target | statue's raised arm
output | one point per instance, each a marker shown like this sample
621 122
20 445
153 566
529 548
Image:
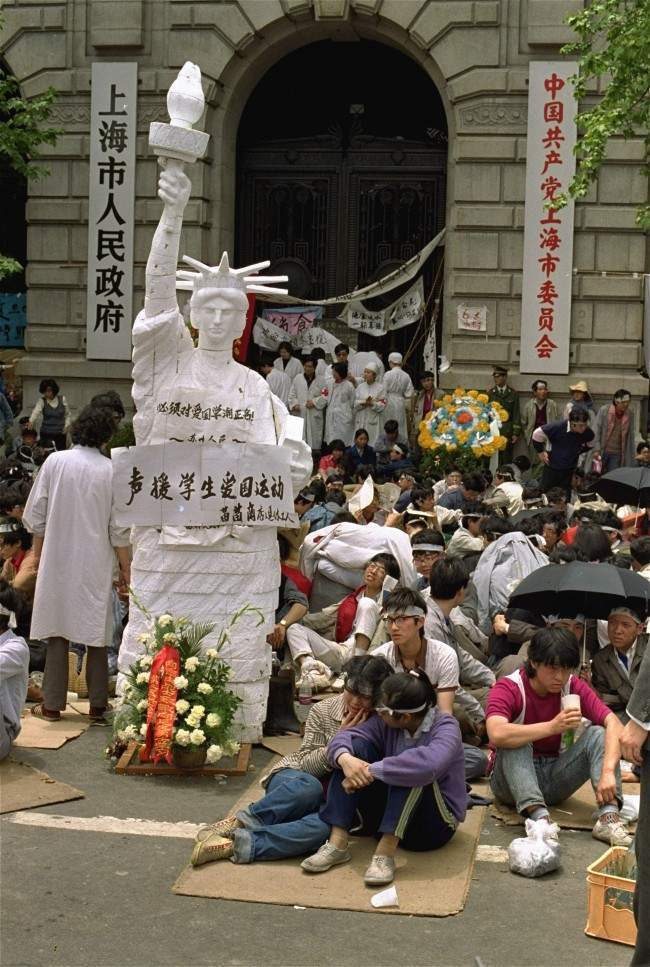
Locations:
176 144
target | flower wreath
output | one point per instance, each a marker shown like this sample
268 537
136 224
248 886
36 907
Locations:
465 418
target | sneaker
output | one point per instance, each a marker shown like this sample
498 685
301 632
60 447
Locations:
380 871
326 857
316 673
611 831
223 827
213 848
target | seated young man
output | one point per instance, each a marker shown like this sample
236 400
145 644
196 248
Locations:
615 668
466 541
428 547
285 822
525 723
409 649
356 618
401 772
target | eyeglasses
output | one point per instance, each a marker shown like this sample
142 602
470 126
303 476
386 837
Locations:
396 619
376 567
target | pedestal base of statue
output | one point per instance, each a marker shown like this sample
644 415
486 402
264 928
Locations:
129 765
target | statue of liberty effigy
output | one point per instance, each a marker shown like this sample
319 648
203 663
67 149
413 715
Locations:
203 396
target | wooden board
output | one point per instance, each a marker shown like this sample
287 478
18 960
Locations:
130 765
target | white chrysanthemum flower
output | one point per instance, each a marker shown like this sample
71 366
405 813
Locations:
165 620
197 737
192 722
211 653
182 737
143 729
182 706
204 688
127 692
130 732
180 681
145 661
142 705
213 720
231 747
144 638
215 752
142 678
191 664
198 711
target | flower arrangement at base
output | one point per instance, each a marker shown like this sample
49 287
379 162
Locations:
177 697
464 420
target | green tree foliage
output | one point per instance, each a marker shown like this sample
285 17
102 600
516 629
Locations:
613 46
22 132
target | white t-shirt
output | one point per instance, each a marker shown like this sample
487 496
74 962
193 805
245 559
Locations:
440 664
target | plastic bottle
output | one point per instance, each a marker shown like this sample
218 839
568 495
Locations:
304 692
569 737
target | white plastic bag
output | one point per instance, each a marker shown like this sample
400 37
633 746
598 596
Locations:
536 853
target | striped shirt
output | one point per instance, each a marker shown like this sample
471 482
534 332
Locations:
323 722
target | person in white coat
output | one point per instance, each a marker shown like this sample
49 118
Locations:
370 403
279 382
308 399
286 362
339 416
400 392
14 669
69 512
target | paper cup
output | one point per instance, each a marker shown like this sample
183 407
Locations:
387 898
571 701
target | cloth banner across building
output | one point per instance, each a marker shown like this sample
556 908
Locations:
403 312
185 485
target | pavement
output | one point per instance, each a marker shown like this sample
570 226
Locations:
77 897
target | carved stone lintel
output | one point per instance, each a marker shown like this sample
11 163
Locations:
494 114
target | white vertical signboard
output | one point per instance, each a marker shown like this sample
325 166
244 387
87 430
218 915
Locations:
110 210
548 232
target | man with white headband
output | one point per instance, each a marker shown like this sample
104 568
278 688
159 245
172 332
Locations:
616 432
400 392
428 547
466 541
615 668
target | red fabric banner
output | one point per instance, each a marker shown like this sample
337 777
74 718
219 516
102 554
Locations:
161 708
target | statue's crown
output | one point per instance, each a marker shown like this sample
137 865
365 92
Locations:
223 277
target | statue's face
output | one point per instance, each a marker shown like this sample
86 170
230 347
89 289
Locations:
220 317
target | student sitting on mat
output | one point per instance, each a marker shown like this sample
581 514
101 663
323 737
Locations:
402 771
285 822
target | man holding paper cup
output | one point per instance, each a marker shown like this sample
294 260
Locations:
534 717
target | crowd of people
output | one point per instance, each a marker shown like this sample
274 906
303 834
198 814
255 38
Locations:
394 599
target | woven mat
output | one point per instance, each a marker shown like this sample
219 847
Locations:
573 813
22 787
432 884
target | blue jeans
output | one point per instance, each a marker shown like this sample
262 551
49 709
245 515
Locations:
418 815
521 779
611 461
285 822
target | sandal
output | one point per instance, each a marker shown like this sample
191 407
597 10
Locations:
45 713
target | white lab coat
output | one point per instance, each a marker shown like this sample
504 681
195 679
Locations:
71 505
339 416
370 418
399 388
314 417
207 573
280 385
292 369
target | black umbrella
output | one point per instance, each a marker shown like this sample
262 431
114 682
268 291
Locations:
629 485
582 587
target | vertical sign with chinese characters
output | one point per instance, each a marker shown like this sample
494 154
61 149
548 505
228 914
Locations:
110 210
548 232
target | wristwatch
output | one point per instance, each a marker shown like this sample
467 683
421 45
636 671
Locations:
283 622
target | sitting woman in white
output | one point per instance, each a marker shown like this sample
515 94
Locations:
14 669
356 618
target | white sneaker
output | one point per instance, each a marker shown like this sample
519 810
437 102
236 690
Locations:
326 857
316 673
611 831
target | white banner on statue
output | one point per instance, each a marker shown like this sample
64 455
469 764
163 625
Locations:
472 318
181 484
111 198
408 309
372 322
548 232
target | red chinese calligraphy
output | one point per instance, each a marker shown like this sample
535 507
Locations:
547 293
550 187
554 111
546 319
548 264
549 239
545 347
553 84
551 158
554 137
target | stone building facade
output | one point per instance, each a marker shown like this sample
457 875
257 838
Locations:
476 52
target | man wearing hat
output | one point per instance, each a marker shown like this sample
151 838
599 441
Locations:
369 402
616 432
615 668
399 393
537 411
507 398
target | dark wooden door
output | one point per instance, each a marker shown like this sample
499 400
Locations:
335 215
